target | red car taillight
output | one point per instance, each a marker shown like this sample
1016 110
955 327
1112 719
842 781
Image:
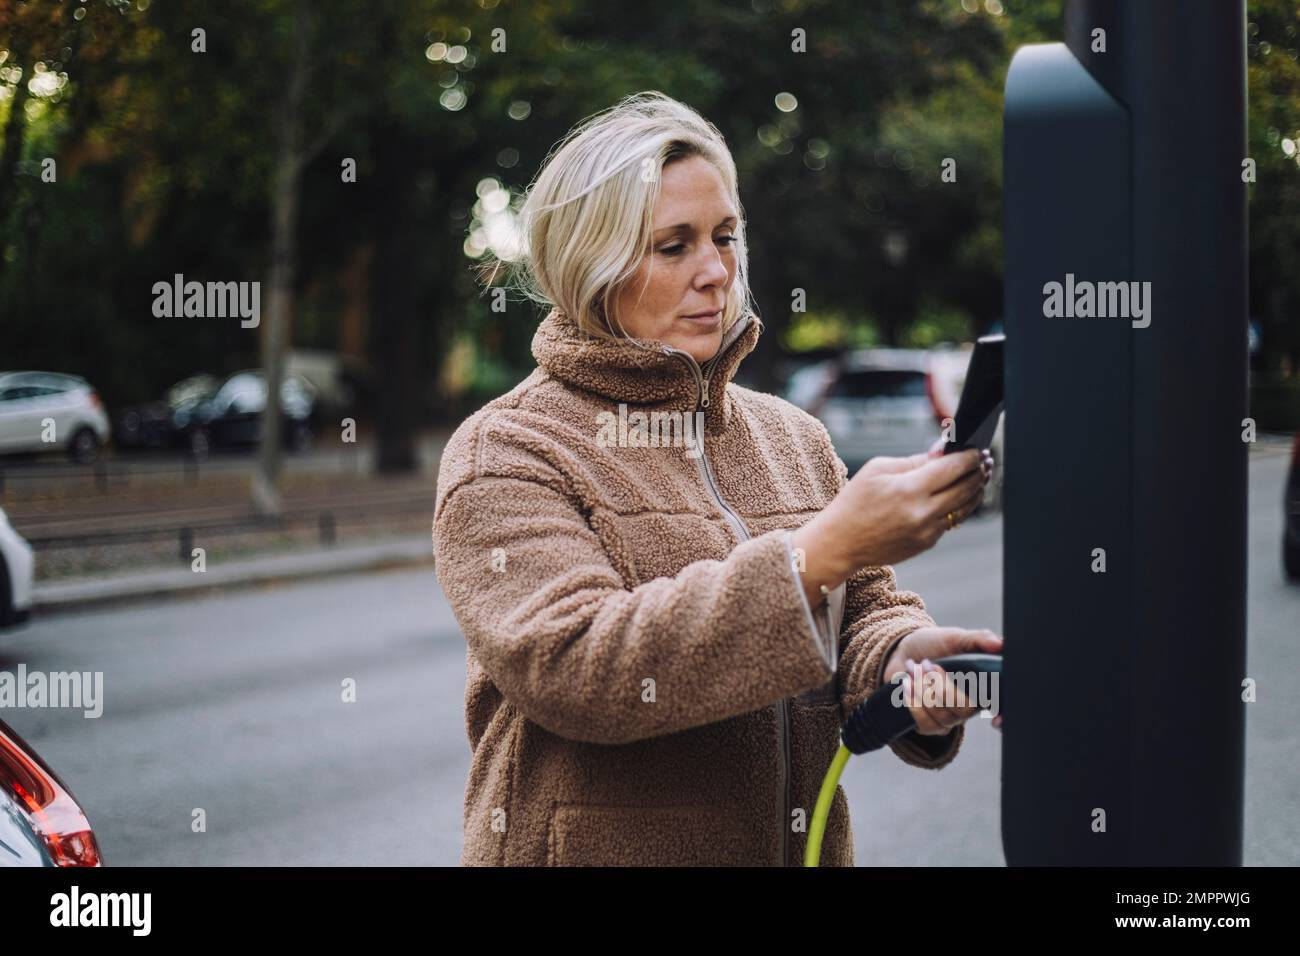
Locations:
55 815
95 402
1295 450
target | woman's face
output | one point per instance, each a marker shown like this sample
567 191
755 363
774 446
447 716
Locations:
678 293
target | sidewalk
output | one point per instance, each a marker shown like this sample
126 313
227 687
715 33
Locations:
77 593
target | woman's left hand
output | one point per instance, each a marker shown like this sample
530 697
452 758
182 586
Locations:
919 649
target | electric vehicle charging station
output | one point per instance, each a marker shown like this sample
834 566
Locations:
1124 585
1125 498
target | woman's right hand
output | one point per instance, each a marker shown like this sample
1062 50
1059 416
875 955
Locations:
896 510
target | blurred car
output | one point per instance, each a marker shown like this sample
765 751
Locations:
1291 532
232 417
41 823
28 399
872 402
336 379
890 402
153 424
16 571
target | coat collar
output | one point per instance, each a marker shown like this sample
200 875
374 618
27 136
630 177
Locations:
651 375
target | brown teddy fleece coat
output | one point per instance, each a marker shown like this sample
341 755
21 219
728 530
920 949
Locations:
646 682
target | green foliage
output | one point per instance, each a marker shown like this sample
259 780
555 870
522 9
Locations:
166 164
811 331
938 323
1273 141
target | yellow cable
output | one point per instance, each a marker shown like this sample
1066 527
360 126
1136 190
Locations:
813 852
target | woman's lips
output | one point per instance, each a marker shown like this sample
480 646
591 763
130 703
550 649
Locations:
710 317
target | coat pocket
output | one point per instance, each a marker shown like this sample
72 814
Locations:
586 835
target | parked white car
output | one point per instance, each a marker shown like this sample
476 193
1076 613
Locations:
16 569
888 402
41 411
872 402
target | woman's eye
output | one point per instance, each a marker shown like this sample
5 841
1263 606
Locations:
679 248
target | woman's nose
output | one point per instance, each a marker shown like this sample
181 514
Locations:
714 270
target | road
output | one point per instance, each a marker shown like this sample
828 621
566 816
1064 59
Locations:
232 703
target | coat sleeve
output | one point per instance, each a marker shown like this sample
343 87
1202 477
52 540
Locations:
876 617
586 656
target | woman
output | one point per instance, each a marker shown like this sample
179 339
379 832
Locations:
671 594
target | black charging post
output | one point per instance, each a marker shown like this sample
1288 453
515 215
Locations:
1125 482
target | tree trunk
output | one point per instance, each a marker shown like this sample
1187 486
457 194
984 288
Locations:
395 342
12 150
284 221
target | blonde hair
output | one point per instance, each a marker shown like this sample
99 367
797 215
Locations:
587 217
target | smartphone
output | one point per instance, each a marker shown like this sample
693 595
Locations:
981 397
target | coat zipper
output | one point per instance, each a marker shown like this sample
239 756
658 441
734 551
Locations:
706 470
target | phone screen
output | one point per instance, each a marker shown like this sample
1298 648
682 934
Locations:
981 397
